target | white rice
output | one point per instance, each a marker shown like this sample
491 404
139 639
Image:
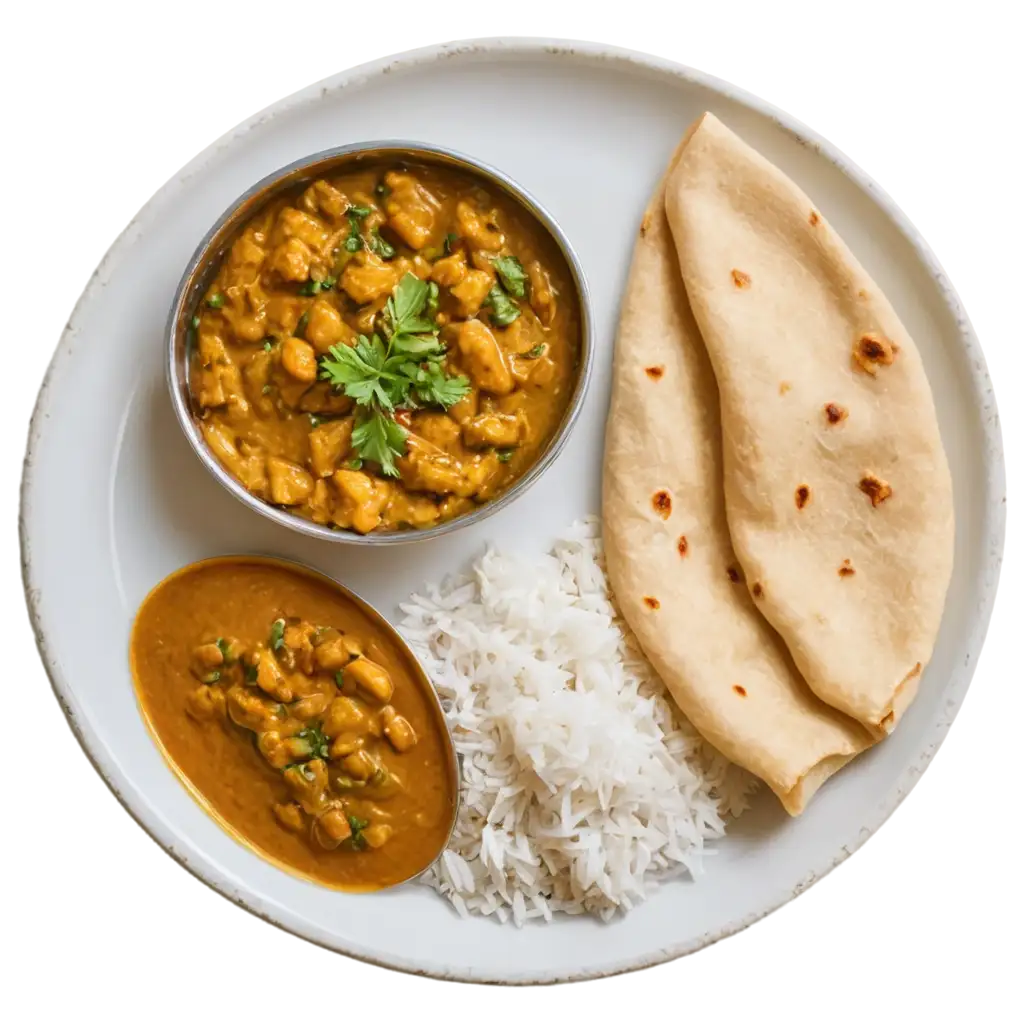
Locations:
581 784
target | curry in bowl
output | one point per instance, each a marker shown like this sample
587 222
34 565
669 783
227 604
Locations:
385 349
298 720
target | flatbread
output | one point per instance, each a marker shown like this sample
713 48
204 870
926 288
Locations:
837 490
670 561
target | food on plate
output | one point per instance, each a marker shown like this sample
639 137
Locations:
671 563
297 719
385 349
837 490
580 785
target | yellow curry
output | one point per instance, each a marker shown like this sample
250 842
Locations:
386 349
297 720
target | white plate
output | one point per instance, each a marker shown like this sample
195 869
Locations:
587 130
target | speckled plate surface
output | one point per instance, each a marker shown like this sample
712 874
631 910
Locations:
589 133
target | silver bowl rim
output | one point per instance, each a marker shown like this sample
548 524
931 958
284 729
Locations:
177 375
395 634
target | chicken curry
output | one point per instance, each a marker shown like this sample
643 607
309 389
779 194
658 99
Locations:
297 720
386 349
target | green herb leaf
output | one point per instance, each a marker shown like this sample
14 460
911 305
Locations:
449 243
315 741
353 243
328 283
433 299
383 248
503 310
225 649
266 389
512 275
267 346
195 323
536 352
310 288
215 301
211 677
379 438
354 464
314 420
505 454
359 371
251 673
300 327
358 212
440 389
357 825
277 634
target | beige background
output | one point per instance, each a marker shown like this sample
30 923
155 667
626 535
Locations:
95 926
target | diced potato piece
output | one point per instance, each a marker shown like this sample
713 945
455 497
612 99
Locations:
472 291
476 229
331 828
344 715
291 260
211 346
319 503
491 430
482 356
283 313
295 223
361 499
299 359
246 253
450 270
426 471
466 407
329 443
436 427
221 440
400 734
371 678
367 277
323 197
377 835
345 744
523 335
322 399
411 209
271 680
248 709
542 294
326 327
290 484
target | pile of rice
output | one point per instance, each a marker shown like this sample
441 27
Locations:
581 785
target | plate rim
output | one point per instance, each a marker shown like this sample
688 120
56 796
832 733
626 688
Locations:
993 520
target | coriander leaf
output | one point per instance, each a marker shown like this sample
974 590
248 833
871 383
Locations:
503 310
195 323
315 742
358 211
277 634
353 464
215 301
314 420
505 454
408 300
211 677
449 243
381 246
512 275
267 346
440 389
414 345
310 288
433 299
357 825
300 327
378 438
536 352
358 370
251 673
353 243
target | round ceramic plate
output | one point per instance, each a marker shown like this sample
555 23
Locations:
588 134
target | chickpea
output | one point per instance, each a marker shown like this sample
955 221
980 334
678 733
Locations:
299 359
359 765
332 828
397 729
371 677
344 715
345 744
290 816
205 702
377 835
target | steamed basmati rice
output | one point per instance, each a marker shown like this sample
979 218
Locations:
581 785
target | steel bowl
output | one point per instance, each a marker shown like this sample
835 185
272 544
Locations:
205 262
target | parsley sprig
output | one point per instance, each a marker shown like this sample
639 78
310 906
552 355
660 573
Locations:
403 367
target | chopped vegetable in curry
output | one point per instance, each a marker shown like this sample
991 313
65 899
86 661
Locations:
386 349
297 718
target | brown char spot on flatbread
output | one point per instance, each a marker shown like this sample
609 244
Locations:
652 602
740 690
740 279
803 496
877 490
645 224
814 218
655 372
915 671
835 413
662 503
682 546
872 350
734 574
846 569
757 590
784 386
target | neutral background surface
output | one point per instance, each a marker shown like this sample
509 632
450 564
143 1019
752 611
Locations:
101 103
